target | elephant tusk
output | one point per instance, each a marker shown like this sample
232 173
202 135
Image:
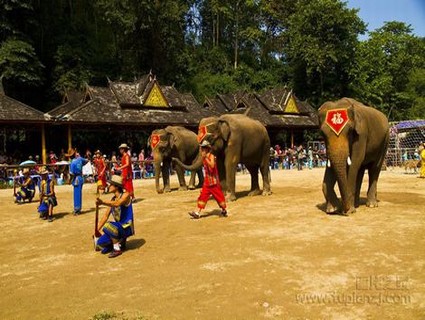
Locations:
329 163
349 161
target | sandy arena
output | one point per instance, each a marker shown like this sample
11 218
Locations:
276 257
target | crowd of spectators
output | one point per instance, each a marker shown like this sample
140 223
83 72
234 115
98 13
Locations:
297 157
142 165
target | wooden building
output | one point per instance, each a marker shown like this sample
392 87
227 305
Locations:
278 109
140 105
22 122
144 105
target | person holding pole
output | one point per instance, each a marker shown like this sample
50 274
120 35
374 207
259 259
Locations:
115 233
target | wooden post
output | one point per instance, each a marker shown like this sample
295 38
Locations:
43 145
69 137
292 138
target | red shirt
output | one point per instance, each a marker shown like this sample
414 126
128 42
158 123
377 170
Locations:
127 172
100 165
211 174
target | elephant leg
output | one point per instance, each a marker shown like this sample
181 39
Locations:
165 169
230 179
255 187
359 181
222 174
180 176
374 172
328 188
192 180
265 173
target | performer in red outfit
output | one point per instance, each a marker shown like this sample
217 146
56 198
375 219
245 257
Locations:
126 169
100 166
211 184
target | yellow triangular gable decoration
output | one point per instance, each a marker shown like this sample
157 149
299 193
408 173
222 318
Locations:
156 98
291 106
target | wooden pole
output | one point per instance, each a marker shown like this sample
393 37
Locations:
292 138
69 137
43 145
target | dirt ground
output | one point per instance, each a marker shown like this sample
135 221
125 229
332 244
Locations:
275 257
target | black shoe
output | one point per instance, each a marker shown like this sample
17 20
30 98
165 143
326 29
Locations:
224 212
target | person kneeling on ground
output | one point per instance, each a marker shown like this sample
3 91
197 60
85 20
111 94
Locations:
115 233
211 184
47 196
27 188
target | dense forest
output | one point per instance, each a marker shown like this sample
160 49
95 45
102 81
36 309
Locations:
211 46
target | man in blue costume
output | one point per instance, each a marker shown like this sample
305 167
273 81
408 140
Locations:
77 180
115 233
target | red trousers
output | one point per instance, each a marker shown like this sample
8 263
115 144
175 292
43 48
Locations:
215 191
128 185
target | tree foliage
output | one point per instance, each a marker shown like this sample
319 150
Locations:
385 64
210 46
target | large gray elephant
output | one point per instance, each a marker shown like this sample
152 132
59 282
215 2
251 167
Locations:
356 138
177 142
236 138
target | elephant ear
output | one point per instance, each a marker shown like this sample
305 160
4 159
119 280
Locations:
224 129
355 117
173 139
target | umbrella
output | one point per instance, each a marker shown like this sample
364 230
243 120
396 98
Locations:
28 163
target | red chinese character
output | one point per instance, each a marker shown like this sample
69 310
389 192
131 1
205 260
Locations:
154 140
337 119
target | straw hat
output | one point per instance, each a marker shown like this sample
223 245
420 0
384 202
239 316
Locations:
25 171
116 181
70 153
98 152
43 170
123 146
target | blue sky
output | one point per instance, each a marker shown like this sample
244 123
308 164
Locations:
376 12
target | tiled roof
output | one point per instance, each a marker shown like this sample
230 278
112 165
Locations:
145 102
270 108
123 103
12 111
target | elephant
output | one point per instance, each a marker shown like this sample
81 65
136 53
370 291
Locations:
178 142
356 138
236 138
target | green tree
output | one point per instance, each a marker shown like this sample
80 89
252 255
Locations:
320 44
20 66
384 64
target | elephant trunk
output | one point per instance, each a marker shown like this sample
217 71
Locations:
339 159
157 167
196 164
